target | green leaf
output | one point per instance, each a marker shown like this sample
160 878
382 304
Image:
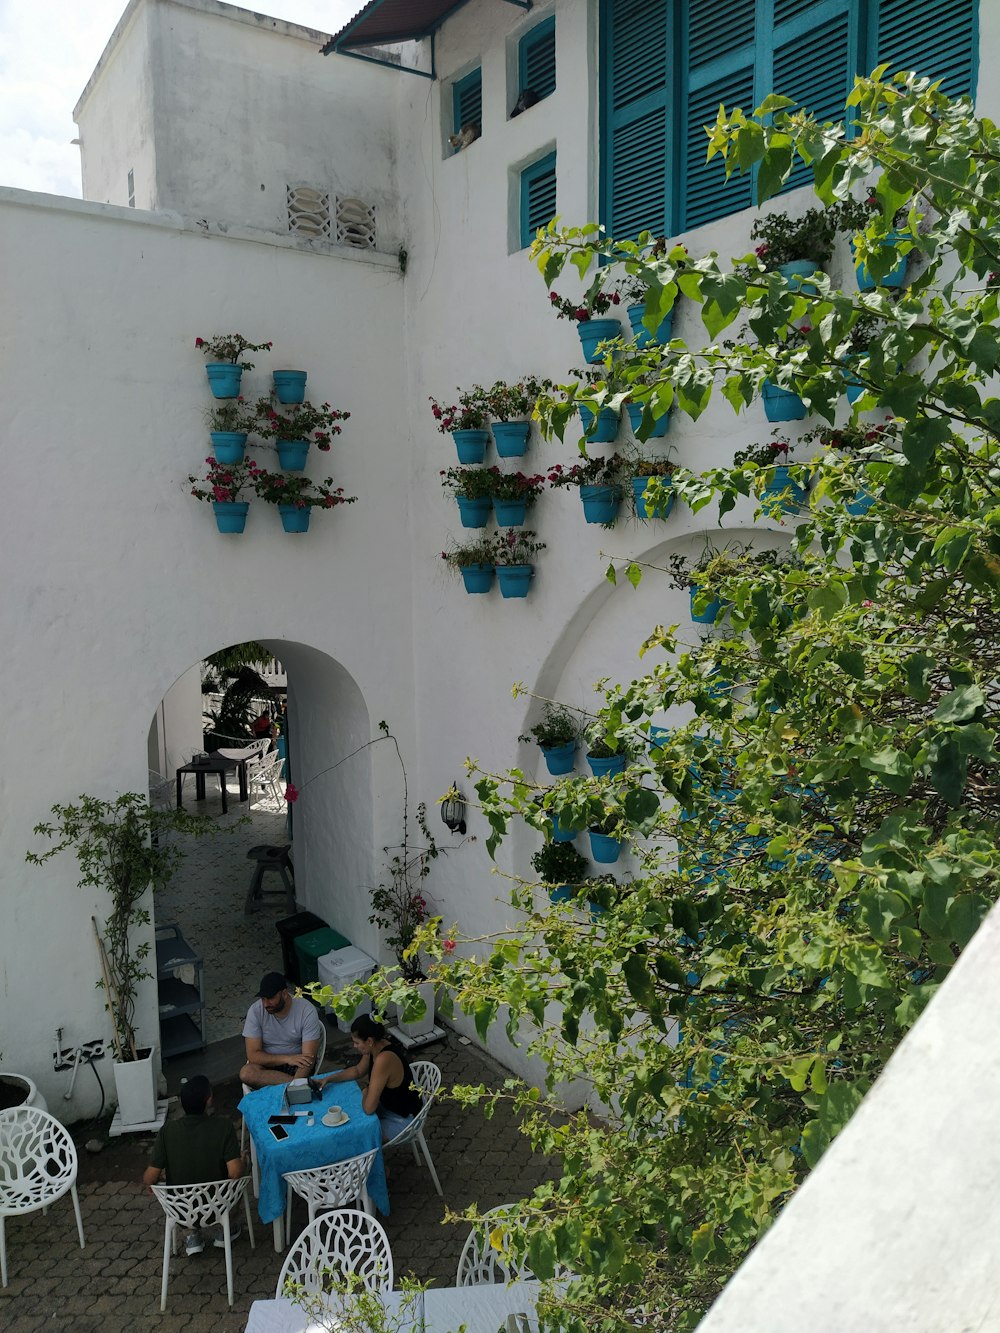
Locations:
960 704
642 808
917 669
640 984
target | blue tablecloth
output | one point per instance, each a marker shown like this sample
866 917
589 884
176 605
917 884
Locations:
318 1146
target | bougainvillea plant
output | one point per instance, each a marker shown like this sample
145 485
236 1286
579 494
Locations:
299 421
229 347
279 488
595 301
471 412
223 483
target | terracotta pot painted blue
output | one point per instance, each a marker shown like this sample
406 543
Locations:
781 404
292 454
603 849
643 337
600 503
471 445
596 909
862 502
231 515
594 331
711 612
510 437
477 578
603 766
510 513
559 759
228 445
797 272
660 426
224 378
295 519
475 513
563 893
514 579
794 496
658 736
604 430
289 385
560 834
896 275
642 509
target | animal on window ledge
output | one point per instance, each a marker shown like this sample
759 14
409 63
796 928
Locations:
468 133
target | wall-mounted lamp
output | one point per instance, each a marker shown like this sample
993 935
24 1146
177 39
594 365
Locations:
453 810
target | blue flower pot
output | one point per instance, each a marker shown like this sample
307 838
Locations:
475 513
231 515
643 337
660 426
604 849
477 578
289 385
564 893
224 378
862 502
853 387
711 612
510 513
781 404
510 437
514 579
642 509
471 445
600 503
658 736
295 519
793 495
896 275
594 331
559 759
797 273
228 445
559 833
292 454
604 430
606 766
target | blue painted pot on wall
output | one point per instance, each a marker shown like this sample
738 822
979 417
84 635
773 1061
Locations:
559 759
606 427
228 445
294 519
600 503
224 378
797 272
477 578
853 387
230 515
711 612
658 736
793 494
642 509
475 513
292 454
564 893
514 579
896 275
862 502
510 513
560 834
289 385
594 331
781 404
643 337
471 445
604 849
510 437
606 765
660 427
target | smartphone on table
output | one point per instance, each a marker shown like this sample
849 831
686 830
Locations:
281 1120
278 1132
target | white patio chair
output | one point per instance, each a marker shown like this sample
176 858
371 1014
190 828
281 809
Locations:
317 1066
38 1165
161 791
479 1264
335 1244
427 1078
264 774
340 1185
203 1205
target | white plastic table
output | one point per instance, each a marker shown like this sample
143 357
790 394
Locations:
481 1309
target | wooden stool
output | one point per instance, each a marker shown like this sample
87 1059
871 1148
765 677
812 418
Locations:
270 858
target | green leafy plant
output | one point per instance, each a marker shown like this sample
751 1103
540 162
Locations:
769 454
299 421
558 727
515 546
479 551
593 304
232 414
642 465
471 483
508 402
471 412
355 1308
781 238
559 863
229 347
282 488
612 470
516 486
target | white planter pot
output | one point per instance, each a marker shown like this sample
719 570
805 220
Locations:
22 1083
135 1083
419 1026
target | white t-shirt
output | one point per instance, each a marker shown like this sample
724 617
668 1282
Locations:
283 1036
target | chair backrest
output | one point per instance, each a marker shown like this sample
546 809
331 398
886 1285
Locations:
200 1205
347 1241
38 1160
321 1048
427 1077
481 1263
333 1186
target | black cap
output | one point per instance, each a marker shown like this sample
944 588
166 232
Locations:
270 984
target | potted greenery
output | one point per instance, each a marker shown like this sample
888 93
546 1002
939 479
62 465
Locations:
474 561
600 421
889 264
601 892
781 488
513 494
465 421
561 867
229 424
223 486
513 552
509 407
652 505
296 428
556 736
225 369
782 404
605 846
472 488
605 759
600 482
126 848
296 497
700 576
586 312
633 290
863 332
860 445
643 397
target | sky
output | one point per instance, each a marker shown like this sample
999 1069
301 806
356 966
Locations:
48 50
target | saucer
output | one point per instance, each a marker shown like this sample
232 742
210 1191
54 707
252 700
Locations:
332 1121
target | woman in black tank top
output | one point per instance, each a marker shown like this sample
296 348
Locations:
391 1093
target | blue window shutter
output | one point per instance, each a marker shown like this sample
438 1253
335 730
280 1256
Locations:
937 38
468 100
538 196
815 61
536 58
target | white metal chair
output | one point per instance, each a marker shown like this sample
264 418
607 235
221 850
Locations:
479 1264
203 1205
161 791
317 1066
264 775
427 1078
38 1165
340 1185
335 1244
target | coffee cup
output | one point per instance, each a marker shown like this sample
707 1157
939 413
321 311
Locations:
334 1112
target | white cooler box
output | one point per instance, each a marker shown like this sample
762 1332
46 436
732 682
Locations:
340 968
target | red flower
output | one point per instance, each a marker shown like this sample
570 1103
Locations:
199 342
291 793
449 946
581 313
615 298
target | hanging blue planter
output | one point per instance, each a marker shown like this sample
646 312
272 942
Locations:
797 273
660 426
563 893
561 834
295 519
853 387
896 275
600 503
604 849
658 736
228 445
594 331
289 385
230 515
793 495
606 427
471 445
643 337
224 378
292 454
781 404
510 513
862 502
477 578
606 765
644 510
559 759
514 579
475 513
510 437
711 612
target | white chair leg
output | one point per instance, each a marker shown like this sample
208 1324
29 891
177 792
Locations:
79 1219
246 1207
288 1213
366 1201
416 1155
3 1252
254 1169
430 1165
167 1247
227 1238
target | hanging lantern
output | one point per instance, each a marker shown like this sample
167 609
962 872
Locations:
453 809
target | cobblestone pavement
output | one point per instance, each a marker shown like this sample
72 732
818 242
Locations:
113 1285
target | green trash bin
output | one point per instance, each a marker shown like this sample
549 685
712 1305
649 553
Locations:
309 949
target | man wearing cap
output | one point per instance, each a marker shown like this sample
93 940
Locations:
282 1034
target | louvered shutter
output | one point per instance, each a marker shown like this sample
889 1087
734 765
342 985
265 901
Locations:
814 61
538 196
468 93
537 58
937 38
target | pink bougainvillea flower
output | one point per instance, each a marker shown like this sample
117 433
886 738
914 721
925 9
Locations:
291 793
449 946
199 342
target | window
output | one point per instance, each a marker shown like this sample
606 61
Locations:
538 196
467 97
536 60
667 65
